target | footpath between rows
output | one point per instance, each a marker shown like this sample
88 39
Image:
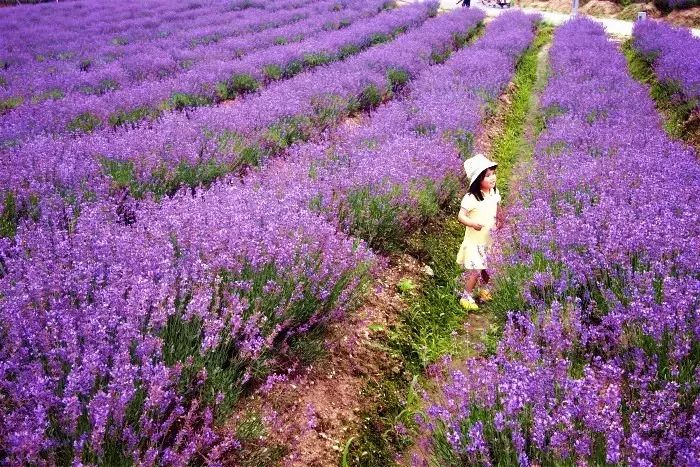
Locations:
435 335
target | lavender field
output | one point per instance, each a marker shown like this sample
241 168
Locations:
197 198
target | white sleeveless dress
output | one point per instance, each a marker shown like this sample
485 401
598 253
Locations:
473 251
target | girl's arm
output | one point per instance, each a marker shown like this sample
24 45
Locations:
463 218
499 217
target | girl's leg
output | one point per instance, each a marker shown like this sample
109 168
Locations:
470 282
485 277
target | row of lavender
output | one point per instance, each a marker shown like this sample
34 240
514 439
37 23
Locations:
102 20
125 342
65 41
201 145
143 85
675 55
211 80
601 363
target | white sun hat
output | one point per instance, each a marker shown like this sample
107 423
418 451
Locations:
475 165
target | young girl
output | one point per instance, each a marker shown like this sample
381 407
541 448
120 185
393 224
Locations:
479 212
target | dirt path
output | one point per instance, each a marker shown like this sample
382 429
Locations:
313 412
540 84
530 135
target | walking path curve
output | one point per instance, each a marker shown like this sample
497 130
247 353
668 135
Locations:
614 27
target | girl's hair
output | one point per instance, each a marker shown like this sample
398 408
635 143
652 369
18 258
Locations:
475 187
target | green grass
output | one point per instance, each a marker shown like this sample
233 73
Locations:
8 216
10 103
312 60
273 72
86 122
431 318
382 219
181 100
238 84
397 78
406 285
53 94
103 87
373 218
165 182
348 50
257 451
122 117
378 441
205 40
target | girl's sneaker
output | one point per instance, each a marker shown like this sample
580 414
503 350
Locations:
485 295
468 303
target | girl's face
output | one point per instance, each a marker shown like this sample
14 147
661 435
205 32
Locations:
489 181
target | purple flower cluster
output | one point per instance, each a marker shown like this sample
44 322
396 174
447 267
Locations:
391 171
200 72
675 54
601 362
119 335
126 341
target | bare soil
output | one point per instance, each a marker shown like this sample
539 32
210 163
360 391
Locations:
601 8
687 18
692 130
314 411
563 6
